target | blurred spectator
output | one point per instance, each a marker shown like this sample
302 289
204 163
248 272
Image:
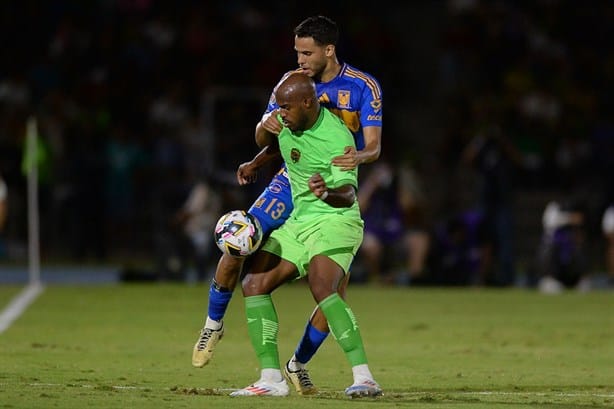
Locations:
462 251
189 235
197 141
607 226
495 159
396 241
562 255
125 159
601 162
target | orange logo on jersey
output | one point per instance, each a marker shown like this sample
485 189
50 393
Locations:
376 104
259 202
350 119
295 155
343 99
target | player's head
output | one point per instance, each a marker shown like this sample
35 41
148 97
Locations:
315 40
298 102
321 29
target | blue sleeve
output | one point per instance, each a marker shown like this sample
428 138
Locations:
371 104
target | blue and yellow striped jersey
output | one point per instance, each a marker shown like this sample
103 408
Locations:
353 95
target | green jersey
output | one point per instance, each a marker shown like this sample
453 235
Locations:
311 151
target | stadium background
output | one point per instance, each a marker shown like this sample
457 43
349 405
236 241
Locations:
119 88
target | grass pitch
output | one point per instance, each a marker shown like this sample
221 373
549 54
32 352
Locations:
129 346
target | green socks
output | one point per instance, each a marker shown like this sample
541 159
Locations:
344 327
263 326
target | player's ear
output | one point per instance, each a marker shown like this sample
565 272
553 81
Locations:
330 50
309 102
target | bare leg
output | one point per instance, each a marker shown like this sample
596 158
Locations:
417 244
228 271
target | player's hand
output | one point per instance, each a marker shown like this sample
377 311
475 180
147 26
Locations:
247 173
317 184
271 123
349 159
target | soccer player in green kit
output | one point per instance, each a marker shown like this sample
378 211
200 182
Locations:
356 97
318 241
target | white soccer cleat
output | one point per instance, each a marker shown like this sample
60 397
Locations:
264 388
203 349
367 388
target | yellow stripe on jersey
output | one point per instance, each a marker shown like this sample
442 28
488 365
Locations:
375 90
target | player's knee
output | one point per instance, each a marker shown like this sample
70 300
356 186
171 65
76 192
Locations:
255 284
320 290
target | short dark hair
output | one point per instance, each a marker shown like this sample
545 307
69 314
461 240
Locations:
322 29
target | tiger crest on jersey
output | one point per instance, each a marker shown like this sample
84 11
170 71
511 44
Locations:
343 99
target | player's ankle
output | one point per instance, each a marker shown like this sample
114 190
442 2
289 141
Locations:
294 365
213 324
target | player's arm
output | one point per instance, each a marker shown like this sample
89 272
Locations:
371 123
267 129
351 158
373 145
248 171
266 138
342 196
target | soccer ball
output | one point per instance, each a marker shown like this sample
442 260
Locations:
238 233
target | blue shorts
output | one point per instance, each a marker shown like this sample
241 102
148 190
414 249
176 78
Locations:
274 205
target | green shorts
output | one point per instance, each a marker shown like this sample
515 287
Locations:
332 235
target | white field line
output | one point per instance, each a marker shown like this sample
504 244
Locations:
18 305
403 394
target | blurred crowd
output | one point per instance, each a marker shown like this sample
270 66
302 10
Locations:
136 102
528 109
145 108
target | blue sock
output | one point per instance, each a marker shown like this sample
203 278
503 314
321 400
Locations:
309 344
219 298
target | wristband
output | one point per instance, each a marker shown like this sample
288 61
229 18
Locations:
324 195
